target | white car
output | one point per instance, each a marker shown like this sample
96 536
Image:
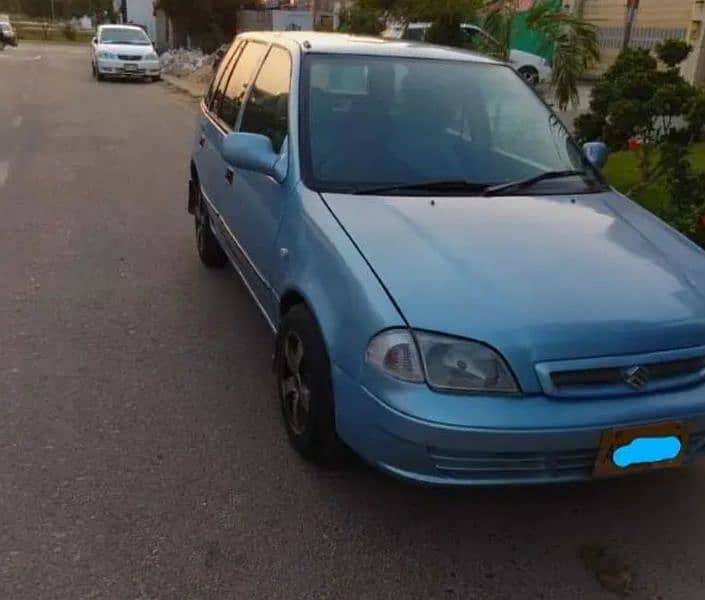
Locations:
535 69
124 51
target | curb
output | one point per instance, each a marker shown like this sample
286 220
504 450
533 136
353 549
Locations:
182 86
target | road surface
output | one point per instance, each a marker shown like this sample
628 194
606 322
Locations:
141 451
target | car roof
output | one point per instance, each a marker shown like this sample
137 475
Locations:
340 43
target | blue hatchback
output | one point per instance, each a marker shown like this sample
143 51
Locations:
456 293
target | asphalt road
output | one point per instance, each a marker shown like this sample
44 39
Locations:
141 451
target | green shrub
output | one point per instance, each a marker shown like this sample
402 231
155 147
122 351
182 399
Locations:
673 52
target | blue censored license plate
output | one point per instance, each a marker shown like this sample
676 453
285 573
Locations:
641 449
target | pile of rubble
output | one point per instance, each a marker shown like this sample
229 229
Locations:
185 63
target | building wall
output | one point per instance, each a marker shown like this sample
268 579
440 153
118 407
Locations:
655 21
140 12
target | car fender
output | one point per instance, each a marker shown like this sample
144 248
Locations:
321 265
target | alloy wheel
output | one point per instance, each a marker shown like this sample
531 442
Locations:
296 396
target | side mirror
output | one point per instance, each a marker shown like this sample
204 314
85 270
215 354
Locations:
597 153
95 41
253 152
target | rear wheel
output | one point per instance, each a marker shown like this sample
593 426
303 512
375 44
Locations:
305 387
209 249
530 74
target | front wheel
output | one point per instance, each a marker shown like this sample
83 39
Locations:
305 387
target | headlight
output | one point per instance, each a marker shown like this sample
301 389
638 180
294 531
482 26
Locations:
450 364
108 55
461 365
151 56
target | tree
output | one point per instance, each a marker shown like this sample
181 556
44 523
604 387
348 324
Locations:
368 16
575 48
635 100
574 42
209 22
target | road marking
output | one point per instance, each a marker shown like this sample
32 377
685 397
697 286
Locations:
4 172
17 121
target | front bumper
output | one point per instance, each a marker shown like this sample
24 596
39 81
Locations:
454 440
119 68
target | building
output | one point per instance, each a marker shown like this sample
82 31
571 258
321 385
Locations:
137 12
653 21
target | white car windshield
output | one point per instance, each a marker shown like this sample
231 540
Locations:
124 36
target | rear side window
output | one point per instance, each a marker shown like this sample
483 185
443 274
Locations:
218 83
267 109
239 81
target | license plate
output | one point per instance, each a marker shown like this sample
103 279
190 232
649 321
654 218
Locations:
129 67
641 449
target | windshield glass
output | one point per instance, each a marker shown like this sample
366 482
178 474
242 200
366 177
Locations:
384 121
124 36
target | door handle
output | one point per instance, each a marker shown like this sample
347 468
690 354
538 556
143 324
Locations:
202 141
229 175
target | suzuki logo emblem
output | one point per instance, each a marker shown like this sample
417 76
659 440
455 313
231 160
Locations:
636 377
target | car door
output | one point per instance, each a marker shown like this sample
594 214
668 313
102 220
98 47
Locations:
210 130
260 199
222 179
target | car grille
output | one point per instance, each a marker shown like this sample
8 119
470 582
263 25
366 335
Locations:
527 466
623 375
133 57
657 371
496 466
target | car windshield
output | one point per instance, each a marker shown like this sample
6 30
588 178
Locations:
386 121
124 36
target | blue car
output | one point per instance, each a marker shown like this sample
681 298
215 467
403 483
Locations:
455 292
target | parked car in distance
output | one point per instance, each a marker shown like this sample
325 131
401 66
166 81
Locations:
456 294
535 69
8 37
124 51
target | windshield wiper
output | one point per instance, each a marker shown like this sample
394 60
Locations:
443 186
502 188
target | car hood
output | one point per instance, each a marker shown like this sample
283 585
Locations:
125 49
539 278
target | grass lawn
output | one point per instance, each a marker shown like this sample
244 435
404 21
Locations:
623 173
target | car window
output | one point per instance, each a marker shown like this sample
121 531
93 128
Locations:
236 88
118 35
215 92
412 120
267 109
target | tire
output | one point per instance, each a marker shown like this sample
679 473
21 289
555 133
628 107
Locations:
305 388
531 75
209 250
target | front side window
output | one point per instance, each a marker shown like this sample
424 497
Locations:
239 81
118 35
382 121
267 109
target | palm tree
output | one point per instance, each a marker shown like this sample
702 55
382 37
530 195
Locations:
575 43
